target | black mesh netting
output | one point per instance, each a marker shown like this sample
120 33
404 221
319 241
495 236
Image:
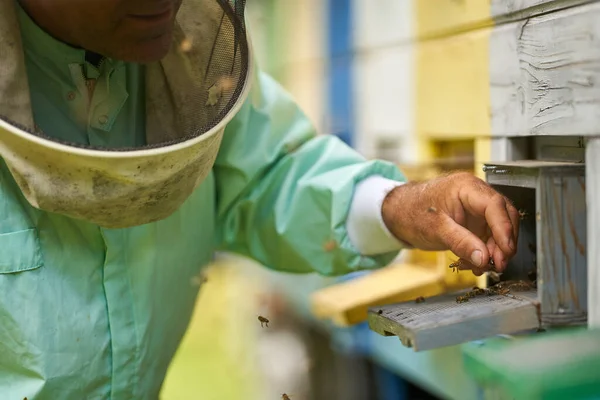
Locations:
221 65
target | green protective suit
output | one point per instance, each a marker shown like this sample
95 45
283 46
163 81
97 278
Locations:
93 313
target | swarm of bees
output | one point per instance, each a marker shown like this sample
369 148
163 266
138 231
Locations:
500 289
462 299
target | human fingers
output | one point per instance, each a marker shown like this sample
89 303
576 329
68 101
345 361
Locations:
500 260
483 201
463 242
515 219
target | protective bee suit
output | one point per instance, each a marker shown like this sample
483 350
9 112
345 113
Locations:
113 200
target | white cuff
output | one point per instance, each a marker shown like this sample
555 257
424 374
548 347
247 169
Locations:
366 229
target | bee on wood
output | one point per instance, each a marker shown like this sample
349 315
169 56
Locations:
419 299
520 286
462 299
263 321
523 214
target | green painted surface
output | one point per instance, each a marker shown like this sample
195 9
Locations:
563 364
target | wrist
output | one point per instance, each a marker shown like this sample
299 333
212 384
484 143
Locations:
397 208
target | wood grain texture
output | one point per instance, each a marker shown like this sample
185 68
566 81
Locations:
556 225
512 10
593 230
562 246
440 321
544 74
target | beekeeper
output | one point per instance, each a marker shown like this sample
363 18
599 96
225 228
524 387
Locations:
134 145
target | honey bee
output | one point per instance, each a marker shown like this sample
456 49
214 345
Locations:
462 299
456 265
285 397
263 321
380 312
419 299
523 214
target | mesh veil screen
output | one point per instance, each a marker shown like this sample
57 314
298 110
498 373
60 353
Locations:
219 64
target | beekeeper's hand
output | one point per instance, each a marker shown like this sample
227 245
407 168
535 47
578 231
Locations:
457 212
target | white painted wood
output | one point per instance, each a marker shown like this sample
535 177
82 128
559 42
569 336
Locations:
592 179
299 61
382 23
383 68
507 149
544 74
527 8
384 103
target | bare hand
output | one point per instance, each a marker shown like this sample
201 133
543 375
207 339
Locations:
457 212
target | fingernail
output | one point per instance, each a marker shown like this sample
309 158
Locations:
511 244
476 257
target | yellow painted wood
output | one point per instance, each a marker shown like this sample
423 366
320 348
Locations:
452 86
443 17
347 303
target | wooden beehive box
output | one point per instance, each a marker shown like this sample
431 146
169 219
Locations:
552 245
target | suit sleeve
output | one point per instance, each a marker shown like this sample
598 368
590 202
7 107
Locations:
284 193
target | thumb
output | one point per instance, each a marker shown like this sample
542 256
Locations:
464 244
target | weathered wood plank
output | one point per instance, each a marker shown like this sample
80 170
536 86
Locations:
593 229
544 74
559 220
441 321
562 246
513 10
443 18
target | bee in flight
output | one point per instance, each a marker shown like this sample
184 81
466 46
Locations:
263 321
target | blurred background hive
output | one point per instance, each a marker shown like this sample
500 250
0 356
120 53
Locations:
433 86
